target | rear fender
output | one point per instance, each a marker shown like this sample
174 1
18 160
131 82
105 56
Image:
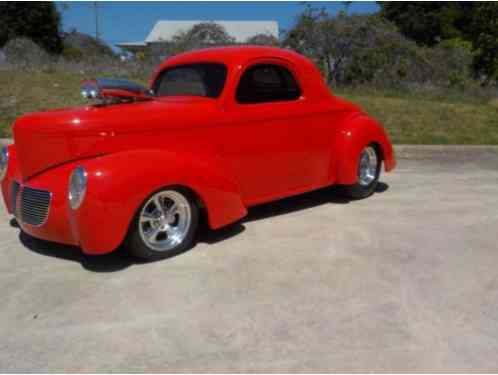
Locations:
119 183
355 134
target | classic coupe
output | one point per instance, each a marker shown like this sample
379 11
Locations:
219 130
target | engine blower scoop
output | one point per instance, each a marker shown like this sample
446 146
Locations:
109 91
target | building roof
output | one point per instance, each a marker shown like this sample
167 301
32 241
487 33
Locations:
240 30
132 44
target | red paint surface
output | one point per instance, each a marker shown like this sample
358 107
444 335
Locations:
231 155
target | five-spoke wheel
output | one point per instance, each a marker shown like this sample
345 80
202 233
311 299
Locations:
165 225
369 165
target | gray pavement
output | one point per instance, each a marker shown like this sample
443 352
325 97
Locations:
404 280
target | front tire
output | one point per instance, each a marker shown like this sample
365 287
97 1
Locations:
368 172
165 225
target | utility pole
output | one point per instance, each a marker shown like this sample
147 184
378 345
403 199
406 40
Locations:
96 10
346 4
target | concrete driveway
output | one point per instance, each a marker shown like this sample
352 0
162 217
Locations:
404 280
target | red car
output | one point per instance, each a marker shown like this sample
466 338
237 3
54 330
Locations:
219 130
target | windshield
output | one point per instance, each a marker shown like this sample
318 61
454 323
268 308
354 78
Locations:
192 80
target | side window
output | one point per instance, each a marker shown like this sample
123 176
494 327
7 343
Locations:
205 79
181 81
265 83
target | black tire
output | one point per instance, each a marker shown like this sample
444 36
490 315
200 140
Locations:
138 247
358 190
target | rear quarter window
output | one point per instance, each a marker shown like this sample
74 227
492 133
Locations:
265 83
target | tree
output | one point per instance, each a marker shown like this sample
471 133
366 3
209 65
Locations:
343 46
309 37
359 49
263 40
204 34
201 35
430 22
484 36
38 21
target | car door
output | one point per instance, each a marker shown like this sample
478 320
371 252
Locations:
274 147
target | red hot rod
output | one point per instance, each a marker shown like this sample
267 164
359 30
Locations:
219 129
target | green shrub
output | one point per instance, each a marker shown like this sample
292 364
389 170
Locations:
262 40
24 53
367 49
79 46
72 54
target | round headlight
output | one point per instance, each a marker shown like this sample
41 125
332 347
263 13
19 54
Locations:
4 161
77 187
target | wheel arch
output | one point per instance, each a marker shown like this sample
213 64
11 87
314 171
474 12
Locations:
356 133
197 198
378 148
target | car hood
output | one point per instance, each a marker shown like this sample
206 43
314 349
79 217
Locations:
46 139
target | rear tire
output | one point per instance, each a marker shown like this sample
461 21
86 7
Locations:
165 225
368 173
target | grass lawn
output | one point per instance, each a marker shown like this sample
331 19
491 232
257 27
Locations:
409 119
22 92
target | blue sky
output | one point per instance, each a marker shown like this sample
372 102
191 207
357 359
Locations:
132 21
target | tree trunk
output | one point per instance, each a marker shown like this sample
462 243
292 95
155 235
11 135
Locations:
330 74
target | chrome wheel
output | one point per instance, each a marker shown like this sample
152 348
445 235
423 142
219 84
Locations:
367 167
165 220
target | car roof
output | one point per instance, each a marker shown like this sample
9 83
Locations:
235 55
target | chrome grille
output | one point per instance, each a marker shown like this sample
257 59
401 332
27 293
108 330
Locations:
30 205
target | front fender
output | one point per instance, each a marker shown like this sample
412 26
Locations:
351 137
11 174
119 183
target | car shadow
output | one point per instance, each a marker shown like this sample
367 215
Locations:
328 195
120 259
115 261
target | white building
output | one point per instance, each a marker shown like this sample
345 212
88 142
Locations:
163 31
